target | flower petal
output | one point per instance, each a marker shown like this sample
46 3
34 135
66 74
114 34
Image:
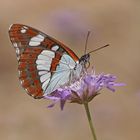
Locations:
84 89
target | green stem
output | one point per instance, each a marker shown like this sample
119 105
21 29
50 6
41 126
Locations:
90 121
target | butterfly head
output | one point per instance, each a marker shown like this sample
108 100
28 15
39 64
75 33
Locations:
84 60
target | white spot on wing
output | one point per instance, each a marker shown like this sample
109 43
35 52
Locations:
15 45
43 62
55 48
25 27
17 51
36 40
43 57
10 27
34 43
42 72
48 53
43 67
23 31
40 36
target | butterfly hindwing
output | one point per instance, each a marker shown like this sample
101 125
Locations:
43 61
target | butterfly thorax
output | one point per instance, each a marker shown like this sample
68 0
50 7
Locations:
80 67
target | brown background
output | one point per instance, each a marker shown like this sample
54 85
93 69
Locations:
116 115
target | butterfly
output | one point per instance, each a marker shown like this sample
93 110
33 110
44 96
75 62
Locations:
44 64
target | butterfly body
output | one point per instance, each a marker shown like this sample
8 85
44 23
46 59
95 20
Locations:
44 63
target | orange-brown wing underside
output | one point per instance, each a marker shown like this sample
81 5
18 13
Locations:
29 43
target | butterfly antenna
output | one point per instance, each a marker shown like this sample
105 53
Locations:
86 42
98 48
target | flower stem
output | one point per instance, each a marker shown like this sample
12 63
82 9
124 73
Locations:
90 121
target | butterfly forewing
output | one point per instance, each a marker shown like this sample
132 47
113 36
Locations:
44 63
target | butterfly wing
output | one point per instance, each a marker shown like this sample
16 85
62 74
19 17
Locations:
44 63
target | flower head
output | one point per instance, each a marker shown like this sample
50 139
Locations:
84 89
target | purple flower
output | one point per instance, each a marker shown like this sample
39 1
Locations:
83 90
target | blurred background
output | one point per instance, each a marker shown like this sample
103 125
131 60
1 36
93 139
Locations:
116 115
